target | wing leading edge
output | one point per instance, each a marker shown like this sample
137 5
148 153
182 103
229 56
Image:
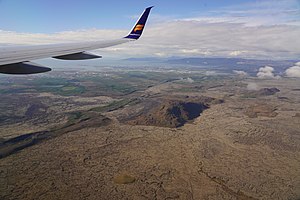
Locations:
16 60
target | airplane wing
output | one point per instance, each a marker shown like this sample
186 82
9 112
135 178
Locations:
16 60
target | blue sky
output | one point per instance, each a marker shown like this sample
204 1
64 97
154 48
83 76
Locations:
49 16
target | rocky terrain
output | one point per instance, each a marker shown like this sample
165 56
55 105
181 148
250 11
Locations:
172 113
260 93
169 141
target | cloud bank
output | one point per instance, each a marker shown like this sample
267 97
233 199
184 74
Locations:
268 29
240 73
293 71
185 38
186 80
266 72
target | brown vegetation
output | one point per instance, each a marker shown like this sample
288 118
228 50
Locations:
262 110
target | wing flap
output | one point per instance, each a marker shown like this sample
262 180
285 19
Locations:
23 68
78 56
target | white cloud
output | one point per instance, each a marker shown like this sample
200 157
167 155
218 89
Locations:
293 71
236 53
187 80
190 51
252 86
10 37
184 38
190 80
240 73
266 72
258 13
195 52
211 73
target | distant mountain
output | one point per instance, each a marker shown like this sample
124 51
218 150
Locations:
223 62
152 59
250 66
146 59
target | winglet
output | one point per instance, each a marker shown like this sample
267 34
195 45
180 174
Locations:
140 25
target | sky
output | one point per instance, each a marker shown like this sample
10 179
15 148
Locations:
267 29
45 16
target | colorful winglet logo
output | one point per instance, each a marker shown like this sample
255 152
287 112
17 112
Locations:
138 27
